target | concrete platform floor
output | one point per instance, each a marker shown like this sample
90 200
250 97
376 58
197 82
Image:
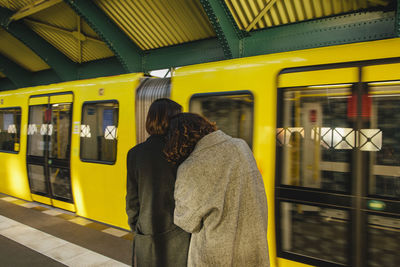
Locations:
32 234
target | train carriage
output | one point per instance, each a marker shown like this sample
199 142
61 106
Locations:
322 124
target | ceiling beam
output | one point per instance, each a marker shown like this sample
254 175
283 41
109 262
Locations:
17 74
128 53
357 27
397 20
61 64
228 34
76 34
33 8
6 84
181 55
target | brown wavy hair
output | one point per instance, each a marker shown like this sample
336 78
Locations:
185 130
160 112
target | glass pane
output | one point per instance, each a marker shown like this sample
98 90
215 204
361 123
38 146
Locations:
60 136
383 241
60 183
316 137
383 140
10 129
316 232
99 131
37 179
37 130
232 113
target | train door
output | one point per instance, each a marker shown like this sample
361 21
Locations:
48 149
381 173
338 166
315 195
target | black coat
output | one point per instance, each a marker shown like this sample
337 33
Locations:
150 207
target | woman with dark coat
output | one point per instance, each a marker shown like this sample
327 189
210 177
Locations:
219 195
150 195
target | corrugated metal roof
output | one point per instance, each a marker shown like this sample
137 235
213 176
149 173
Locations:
15 5
259 14
13 49
64 29
157 23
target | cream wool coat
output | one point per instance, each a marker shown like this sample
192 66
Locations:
220 199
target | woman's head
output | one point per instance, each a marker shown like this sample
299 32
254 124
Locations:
185 130
159 115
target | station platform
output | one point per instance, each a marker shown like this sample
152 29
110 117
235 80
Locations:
33 234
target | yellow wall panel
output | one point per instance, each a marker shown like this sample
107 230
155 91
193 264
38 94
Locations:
39 100
386 72
319 77
64 98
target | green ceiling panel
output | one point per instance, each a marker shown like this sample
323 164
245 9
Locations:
45 77
18 75
100 68
6 84
125 50
64 67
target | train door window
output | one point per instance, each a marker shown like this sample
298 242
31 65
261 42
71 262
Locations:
383 140
10 129
59 145
316 138
232 112
99 132
37 130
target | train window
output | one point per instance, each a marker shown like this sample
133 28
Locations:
99 132
232 112
316 138
384 141
10 129
317 232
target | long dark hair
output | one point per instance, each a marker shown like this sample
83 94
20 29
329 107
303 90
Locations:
159 115
185 130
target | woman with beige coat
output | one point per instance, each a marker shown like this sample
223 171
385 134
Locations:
219 195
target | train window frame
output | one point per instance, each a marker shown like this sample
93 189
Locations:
20 129
115 101
231 93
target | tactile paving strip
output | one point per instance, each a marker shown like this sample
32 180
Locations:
69 216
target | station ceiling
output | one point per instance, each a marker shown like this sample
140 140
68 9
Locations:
48 41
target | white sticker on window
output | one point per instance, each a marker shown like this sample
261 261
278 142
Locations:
85 131
110 133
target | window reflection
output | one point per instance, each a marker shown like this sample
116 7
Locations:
233 114
385 137
316 138
316 232
10 125
99 128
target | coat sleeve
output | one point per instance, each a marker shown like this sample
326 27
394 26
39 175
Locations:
132 197
195 199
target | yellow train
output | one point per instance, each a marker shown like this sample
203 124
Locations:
323 125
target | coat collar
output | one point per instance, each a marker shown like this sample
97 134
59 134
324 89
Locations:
210 140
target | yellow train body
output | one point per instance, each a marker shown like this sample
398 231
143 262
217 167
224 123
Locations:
99 189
